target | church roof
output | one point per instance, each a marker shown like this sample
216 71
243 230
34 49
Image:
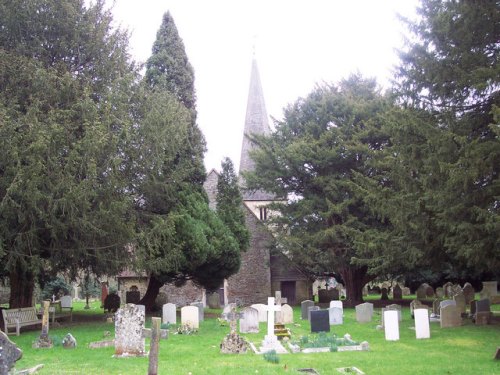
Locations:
256 122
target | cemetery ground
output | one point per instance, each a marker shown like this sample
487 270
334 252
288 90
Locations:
468 349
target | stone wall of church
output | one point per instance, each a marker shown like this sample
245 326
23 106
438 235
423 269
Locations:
252 284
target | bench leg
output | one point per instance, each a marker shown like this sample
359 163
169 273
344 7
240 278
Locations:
18 329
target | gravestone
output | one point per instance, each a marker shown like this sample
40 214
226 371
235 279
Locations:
304 309
201 311
311 308
169 314
473 307
364 312
335 316
406 291
232 317
482 318
391 325
249 323
261 308
227 309
460 302
429 292
44 341
469 292
421 292
133 296
287 314
436 306
320 321
384 296
161 299
446 302
277 297
490 289
415 304
213 300
422 327
270 341
439 292
397 292
154 347
450 316
190 316
69 341
483 305
396 307
447 289
9 354
129 324
337 304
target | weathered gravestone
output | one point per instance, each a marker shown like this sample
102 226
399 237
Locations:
482 318
469 292
190 316
490 289
133 296
44 341
129 326
234 343
482 314
213 300
320 321
395 307
169 313
311 308
335 315
436 306
261 308
9 354
364 312
201 310
446 302
391 325
460 302
397 292
69 341
154 347
416 304
447 289
421 292
304 309
439 292
287 314
384 294
450 316
249 323
422 326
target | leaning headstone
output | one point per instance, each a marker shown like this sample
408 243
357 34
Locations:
320 321
397 292
69 341
250 321
391 325
311 308
304 309
469 292
190 316
364 312
422 327
9 354
287 314
261 308
201 311
450 316
169 314
460 302
129 324
335 316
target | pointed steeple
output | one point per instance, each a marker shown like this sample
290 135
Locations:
256 122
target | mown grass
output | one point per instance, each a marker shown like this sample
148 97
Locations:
465 350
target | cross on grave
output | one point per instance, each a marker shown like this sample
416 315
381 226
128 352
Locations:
156 332
233 317
148 333
271 309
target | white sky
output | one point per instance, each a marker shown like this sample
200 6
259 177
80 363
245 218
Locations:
298 43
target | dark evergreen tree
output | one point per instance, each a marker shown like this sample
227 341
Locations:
312 161
449 76
63 205
229 204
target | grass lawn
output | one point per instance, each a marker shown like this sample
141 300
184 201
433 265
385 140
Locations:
465 350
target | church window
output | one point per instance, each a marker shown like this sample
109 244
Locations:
263 213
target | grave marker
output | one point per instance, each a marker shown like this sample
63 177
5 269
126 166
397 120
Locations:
422 326
190 316
304 309
391 325
9 354
450 316
201 311
249 323
320 321
287 314
154 346
261 308
129 325
364 312
169 313
335 315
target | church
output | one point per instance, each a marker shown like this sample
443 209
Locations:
262 272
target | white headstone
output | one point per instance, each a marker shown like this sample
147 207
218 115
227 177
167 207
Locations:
129 324
250 321
169 315
287 314
422 328
391 325
271 309
364 312
66 302
261 308
190 316
335 315
338 304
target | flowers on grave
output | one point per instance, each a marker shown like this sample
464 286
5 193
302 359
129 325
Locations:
187 329
323 340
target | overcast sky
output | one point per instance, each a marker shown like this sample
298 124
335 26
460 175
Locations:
297 44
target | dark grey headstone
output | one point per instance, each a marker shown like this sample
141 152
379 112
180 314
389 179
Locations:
309 309
9 354
384 296
320 321
483 305
397 292
133 296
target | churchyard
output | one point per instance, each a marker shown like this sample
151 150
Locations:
466 349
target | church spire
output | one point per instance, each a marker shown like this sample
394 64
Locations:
256 122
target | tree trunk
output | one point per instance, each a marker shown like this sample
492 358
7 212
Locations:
355 279
149 298
22 285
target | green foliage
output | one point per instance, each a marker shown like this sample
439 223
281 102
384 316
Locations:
58 287
271 356
324 340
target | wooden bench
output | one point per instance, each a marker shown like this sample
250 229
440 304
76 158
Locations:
17 318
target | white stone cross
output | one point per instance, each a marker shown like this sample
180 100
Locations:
271 309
